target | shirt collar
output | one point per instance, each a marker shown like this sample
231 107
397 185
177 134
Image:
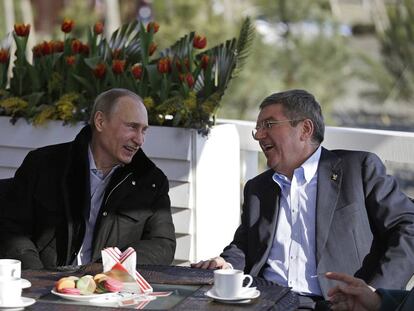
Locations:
307 170
310 166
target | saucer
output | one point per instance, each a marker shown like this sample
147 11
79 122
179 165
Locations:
246 297
25 283
25 302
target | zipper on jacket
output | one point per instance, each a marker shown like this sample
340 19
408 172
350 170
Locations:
112 190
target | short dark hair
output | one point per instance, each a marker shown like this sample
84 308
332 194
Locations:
299 104
107 100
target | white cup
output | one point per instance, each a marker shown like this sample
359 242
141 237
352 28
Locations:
228 283
10 291
10 268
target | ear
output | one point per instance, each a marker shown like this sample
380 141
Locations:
99 120
307 129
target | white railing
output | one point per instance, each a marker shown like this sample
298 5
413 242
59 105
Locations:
390 146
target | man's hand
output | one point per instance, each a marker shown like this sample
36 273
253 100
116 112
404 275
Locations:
354 295
213 263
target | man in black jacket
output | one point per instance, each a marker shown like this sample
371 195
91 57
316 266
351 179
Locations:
69 201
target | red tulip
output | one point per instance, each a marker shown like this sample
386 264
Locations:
118 66
116 53
37 50
47 47
190 80
4 56
187 63
98 28
84 49
58 46
22 30
67 25
76 46
70 60
178 64
137 71
199 42
152 48
205 59
164 65
99 71
154 26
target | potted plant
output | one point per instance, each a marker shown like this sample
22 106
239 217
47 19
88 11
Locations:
181 85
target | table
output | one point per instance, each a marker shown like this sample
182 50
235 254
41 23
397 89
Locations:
188 286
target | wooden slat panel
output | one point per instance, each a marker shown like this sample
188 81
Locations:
180 195
182 251
176 170
174 143
182 221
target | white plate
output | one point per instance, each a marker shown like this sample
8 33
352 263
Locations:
251 294
25 302
84 298
25 283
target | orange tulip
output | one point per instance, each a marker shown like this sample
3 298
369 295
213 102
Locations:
99 71
164 65
4 56
152 48
199 42
154 26
118 66
137 71
67 25
22 30
98 28
70 60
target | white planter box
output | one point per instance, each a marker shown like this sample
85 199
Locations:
204 176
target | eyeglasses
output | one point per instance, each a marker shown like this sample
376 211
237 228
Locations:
267 124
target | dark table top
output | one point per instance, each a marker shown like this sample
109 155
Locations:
187 284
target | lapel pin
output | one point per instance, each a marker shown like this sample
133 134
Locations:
153 185
133 182
334 177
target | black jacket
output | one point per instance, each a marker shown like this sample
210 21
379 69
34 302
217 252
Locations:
42 223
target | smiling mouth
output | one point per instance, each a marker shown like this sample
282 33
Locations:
131 148
266 147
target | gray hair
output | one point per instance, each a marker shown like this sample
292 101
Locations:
106 101
299 104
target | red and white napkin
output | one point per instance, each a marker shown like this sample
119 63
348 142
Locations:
112 257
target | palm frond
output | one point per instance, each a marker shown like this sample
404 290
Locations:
244 43
181 48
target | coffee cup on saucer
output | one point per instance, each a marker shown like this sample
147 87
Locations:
228 283
10 290
13 268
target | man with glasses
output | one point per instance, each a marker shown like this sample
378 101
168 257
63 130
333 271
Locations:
317 210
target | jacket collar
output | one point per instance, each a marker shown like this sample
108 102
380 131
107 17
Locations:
329 185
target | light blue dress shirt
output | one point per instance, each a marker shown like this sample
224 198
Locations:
292 258
98 183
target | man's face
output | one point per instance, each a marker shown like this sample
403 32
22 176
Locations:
282 144
122 133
